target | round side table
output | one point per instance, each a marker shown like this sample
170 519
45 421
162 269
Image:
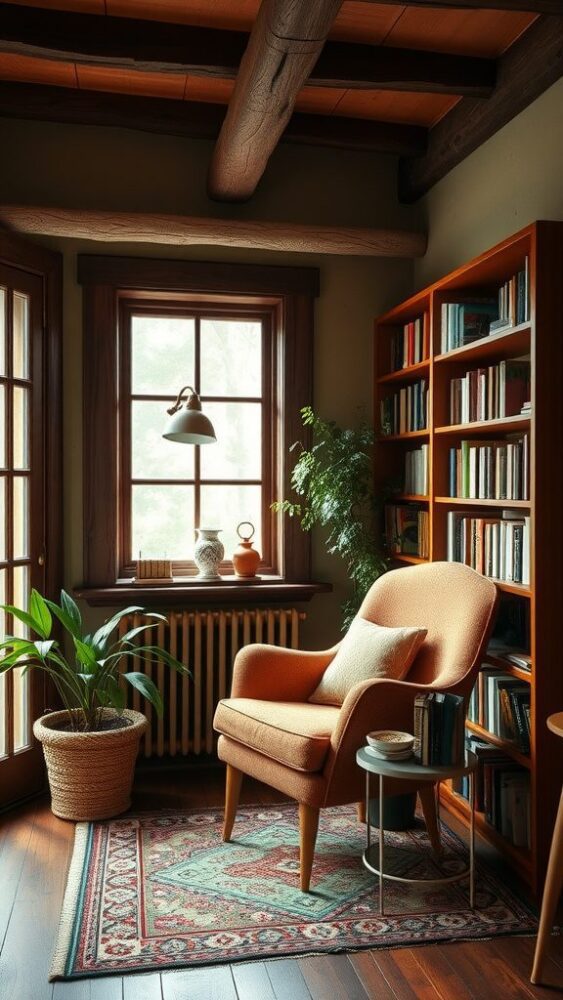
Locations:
409 770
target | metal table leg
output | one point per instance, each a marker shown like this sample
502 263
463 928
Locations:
368 827
381 836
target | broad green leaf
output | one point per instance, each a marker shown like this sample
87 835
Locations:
85 654
137 631
71 609
147 687
66 621
41 614
44 647
24 618
115 693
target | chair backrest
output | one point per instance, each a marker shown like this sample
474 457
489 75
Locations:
456 605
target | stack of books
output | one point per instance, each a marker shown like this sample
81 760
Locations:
497 546
502 791
416 471
492 393
491 470
439 726
410 345
465 322
501 704
406 410
513 301
407 530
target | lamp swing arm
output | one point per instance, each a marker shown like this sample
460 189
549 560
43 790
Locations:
179 399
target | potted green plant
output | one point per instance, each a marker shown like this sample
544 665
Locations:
334 477
91 745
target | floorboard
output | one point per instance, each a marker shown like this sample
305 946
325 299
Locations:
35 849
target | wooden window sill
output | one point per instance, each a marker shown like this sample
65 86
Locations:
185 591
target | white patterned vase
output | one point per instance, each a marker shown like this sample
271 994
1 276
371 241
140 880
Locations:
208 553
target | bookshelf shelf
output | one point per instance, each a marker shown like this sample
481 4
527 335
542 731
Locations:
406 558
504 344
537 251
404 374
517 423
463 502
505 745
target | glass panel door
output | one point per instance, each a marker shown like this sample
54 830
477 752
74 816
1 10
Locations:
21 516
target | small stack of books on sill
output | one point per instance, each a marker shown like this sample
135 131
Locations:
439 726
502 791
407 530
513 301
491 470
416 471
491 393
500 704
410 345
497 546
406 410
465 322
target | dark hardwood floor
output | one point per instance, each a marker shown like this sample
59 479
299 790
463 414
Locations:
35 849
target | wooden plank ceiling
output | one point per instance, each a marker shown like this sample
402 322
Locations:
478 38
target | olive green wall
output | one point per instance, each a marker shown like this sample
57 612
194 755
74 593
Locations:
513 179
117 169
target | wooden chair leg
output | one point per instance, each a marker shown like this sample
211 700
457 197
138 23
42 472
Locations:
361 810
427 794
308 826
232 791
551 893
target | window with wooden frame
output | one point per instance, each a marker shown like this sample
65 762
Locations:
242 336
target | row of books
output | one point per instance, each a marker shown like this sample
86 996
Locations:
416 471
497 546
406 410
491 393
501 704
513 300
410 345
407 530
502 791
464 322
439 726
490 470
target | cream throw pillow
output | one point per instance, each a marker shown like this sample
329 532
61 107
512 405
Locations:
368 651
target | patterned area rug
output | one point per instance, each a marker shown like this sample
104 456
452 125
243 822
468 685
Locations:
158 891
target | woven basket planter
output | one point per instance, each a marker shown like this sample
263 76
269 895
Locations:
90 774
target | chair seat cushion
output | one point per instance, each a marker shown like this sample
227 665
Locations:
293 733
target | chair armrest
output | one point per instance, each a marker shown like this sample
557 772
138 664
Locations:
377 704
274 673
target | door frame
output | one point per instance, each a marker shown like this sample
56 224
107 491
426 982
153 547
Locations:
47 265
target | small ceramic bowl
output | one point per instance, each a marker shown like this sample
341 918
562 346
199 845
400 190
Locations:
389 741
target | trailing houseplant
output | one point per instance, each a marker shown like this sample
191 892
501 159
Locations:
90 746
334 478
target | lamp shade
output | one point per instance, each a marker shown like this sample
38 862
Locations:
188 424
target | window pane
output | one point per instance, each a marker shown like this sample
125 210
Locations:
3 301
21 427
226 506
20 359
3 498
231 358
238 451
162 522
152 456
3 425
20 518
162 349
22 715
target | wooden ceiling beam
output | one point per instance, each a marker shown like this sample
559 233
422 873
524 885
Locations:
285 42
196 120
523 6
181 230
151 46
529 67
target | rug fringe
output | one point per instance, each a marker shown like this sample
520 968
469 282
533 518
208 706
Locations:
70 902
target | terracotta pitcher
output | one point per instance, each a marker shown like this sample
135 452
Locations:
246 559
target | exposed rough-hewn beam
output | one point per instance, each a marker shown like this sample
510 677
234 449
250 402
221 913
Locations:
531 6
285 42
182 230
528 68
151 46
196 120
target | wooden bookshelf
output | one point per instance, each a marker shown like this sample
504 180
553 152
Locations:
540 338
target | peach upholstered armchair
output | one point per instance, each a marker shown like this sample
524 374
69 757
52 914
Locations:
270 731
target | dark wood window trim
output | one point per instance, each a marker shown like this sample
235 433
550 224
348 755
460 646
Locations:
289 294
